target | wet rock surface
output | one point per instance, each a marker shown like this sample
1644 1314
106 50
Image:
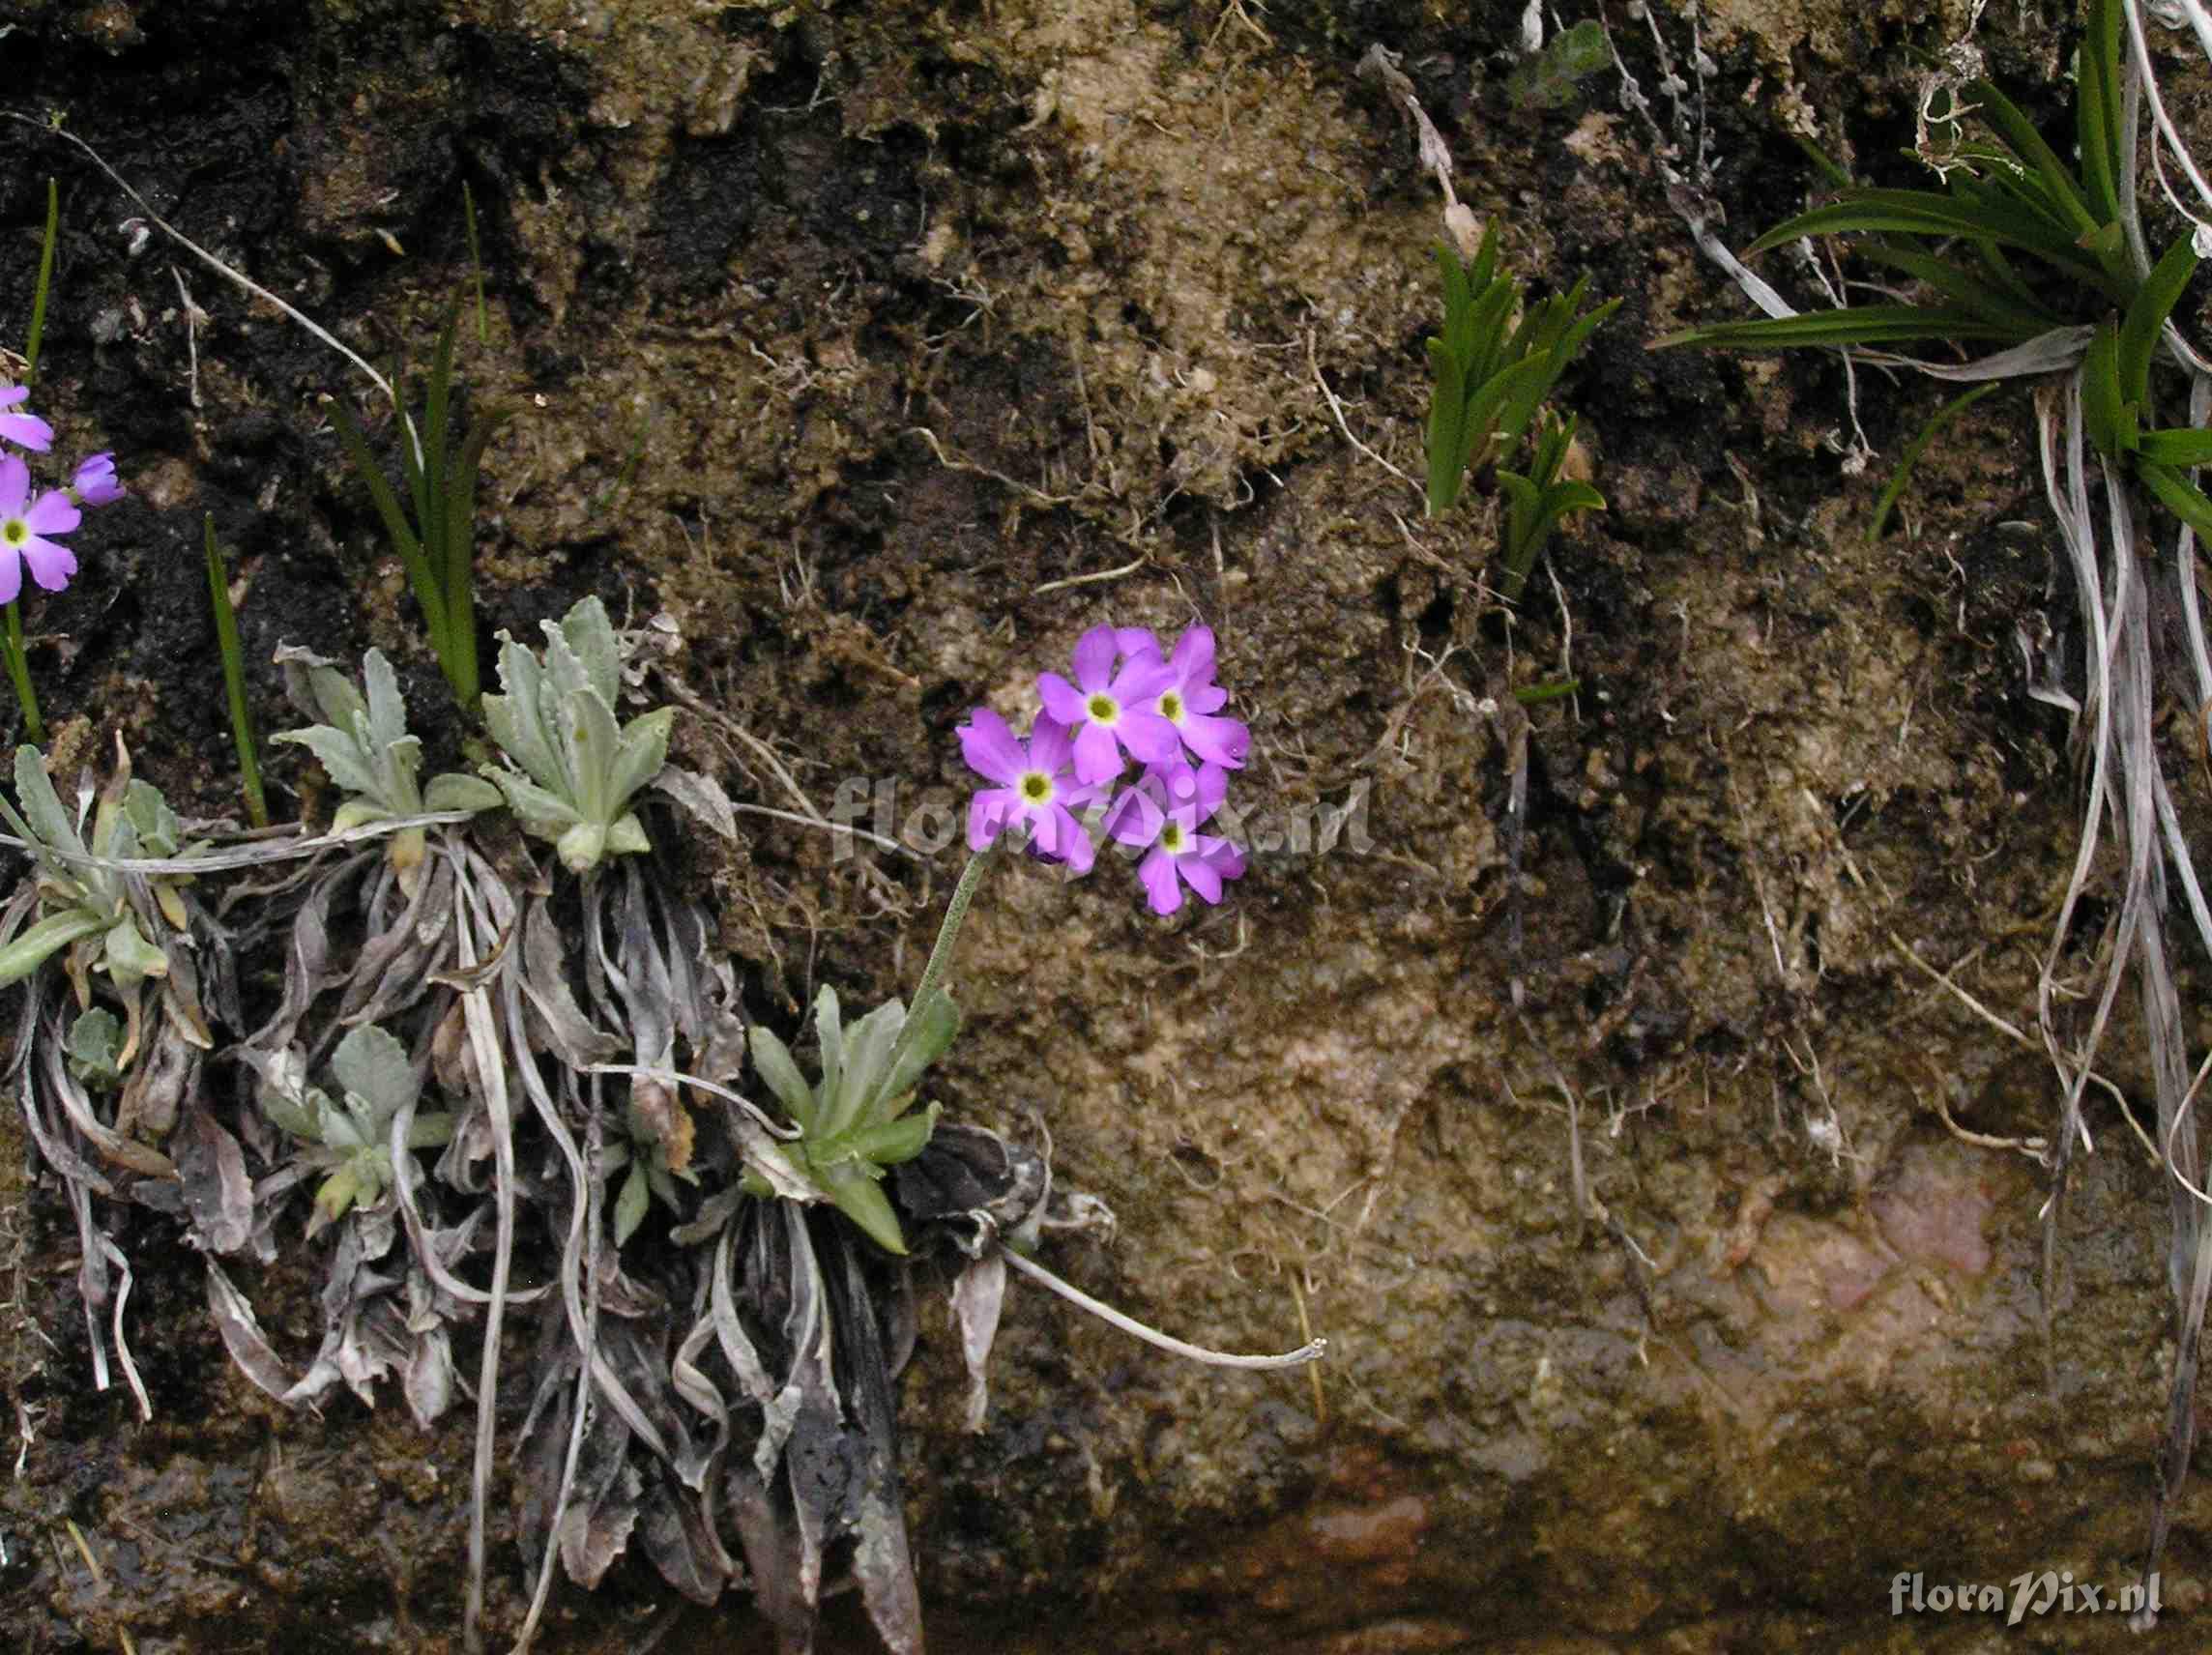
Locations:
886 348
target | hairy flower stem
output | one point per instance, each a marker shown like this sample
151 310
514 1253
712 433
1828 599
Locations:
1168 1342
948 933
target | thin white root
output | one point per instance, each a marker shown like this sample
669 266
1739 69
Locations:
1168 1342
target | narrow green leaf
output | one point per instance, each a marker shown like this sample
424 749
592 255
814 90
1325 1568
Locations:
2179 496
1864 325
2146 319
2183 447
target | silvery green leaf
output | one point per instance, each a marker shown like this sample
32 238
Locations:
890 1142
639 755
356 812
867 1061
829 1036
387 711
49 823
565 673
581 847
591 739
336 1127
454 791
700 794
773 1058
542 813
341 755
397 763
340 703
159 833
625 836
516 720
373 1065
929 1031
590 637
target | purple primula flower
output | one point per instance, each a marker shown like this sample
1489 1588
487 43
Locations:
1191 699
1164 811
25 524
93 482
24 430
1039 789
1108 711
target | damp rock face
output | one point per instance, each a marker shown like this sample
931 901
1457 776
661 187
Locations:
867 355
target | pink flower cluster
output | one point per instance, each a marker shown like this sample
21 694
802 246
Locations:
30 529
1127 704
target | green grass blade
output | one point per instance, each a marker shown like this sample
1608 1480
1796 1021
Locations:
437 415
2108 414
234 682
2179 496
419 574
1903 476
2018 133
1866 325
46 284
2097 111
460 661
475 262
2145 320
2182 447
1963 289
1923 213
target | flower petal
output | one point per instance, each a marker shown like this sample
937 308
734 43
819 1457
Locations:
10 395
11 577
990 748
1221 856
51 563
1201 876
1212 789
1062 699
1142 680
1098 754
53 514
1148 735
1094 654
1133 819
1136 641
1059 837
1157 872
27 432
14 485
988 814
1205 697
1193 657
1223 742
1050 747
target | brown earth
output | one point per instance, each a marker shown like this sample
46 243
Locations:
885 348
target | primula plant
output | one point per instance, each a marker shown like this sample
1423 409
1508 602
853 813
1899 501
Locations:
688 1263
